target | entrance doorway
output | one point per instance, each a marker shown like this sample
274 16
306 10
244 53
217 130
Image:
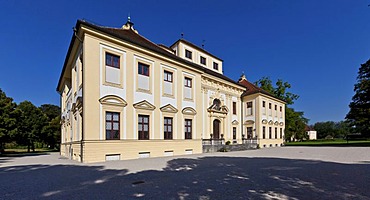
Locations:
216 129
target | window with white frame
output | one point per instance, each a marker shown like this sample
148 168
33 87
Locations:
249 108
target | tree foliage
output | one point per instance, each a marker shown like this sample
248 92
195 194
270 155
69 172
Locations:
295 122
8 119
359 113
330 128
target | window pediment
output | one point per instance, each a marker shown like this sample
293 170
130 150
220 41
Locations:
145 105
169 108
271 122
276 123
248 122
189 111
281 123
264 121
113 100
235 122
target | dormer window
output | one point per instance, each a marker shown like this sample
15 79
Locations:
203 60
188 54
215 66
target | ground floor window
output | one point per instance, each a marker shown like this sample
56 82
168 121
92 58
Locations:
234 133
276 133
143 127
167 128
112 127
269 132
188 128
281 133
263 132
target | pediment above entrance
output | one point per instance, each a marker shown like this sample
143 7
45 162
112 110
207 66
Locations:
145 105
189 111
169 108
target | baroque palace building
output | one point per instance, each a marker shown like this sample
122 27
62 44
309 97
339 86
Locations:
125 97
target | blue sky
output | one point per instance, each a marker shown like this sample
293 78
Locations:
317 46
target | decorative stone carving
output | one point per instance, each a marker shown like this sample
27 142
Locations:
109 100
145 105
189 111
169 108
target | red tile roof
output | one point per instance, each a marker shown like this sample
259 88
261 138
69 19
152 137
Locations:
252 88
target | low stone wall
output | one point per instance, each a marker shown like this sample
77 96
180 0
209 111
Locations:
234 147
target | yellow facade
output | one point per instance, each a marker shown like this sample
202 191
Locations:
123 97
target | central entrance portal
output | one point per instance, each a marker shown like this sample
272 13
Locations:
216 129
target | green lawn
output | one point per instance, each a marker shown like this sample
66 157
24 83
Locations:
337 142
21 152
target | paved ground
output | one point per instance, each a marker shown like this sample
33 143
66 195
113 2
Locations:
273 173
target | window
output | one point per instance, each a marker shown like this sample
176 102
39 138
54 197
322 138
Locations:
263 132
269 105
188 127
281 109
168 128
234 133
143 69
276 133
270 132
249 133
187 82
263 104
281 133
249 108
167 76
112 60
275 107
215 66
234 108
188 54
203 60
112 128
143 129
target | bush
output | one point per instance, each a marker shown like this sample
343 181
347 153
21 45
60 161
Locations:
228 143
223 149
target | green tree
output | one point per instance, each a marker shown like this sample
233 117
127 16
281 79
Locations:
359 113
51 133
325 129
295 122
30 124
51 111
8 116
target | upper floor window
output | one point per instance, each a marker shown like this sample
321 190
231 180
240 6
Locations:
167 76
276 133
188 54
112 128
281 109
167 128
234 108
203 60
215 65
263 132
143 69
263 104
249 108
269 105
275 107
188 128
270 133
187 82
112 60
143 127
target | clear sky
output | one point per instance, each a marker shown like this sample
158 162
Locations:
316 45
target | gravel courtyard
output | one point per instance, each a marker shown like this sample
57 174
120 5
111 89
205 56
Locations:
272 173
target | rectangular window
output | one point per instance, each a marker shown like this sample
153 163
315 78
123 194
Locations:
263 132
276 133
112 60
143 69
187 82
143 127
249 132
168 76
188 128
234 133
234 108
281 133
269 105
112 127
203 60
249 108
281 109
215 66
270 132
188 54
263 104
276 107
167 128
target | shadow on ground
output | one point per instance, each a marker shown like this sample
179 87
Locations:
203 178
